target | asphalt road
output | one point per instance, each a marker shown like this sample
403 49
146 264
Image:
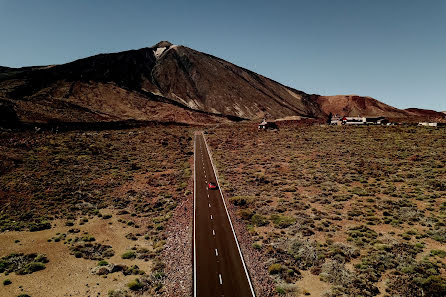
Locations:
218 267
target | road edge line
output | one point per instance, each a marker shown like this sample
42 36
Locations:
195 194
229 218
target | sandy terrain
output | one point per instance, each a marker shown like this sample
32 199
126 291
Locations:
66 275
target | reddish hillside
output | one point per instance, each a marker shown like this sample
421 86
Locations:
353 105
427 114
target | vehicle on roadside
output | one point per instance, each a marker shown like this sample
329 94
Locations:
212 186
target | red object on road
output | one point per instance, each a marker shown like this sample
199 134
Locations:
212 186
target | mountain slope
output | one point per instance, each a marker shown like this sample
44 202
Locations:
138 84
167 83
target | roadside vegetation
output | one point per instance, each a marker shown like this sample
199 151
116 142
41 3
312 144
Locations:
361 208
127 180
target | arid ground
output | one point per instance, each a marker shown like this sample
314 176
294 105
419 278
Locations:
340 211
319 210
87 213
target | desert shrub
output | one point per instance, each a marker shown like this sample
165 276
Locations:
102 263
259 220
245 214
307 253
7 282
118 293
282 221
423 279
135 285
438 234
131 236
280 291
381 258
129 255
361 235
434 285
439 253
39 226
148 283
31 267
241 201
342 252
335 272
360 191
22 264
275 268
133 270
437 185
91 251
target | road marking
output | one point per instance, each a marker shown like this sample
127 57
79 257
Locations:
213 232
221 281
230 222
216 252
209 205
211 217
208 195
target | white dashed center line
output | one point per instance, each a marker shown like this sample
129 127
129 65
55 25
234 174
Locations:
213 232
216 252
211 217
221 281
209 205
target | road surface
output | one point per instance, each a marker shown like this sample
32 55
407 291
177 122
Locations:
218 266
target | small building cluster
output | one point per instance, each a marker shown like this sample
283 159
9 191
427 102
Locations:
432 124
338 120
264 125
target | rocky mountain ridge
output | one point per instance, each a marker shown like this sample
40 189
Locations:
166 83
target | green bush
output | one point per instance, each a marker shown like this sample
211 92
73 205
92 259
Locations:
259 220
40 226
135 285
31 267
241 201
275 268
22 264
128 255
280 290
102 263
281 221
438 253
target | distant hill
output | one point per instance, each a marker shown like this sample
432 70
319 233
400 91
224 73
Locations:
166 83
353 105
426 114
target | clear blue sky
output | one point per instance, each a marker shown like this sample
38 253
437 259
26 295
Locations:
392 50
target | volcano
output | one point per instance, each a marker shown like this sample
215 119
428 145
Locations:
165 83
